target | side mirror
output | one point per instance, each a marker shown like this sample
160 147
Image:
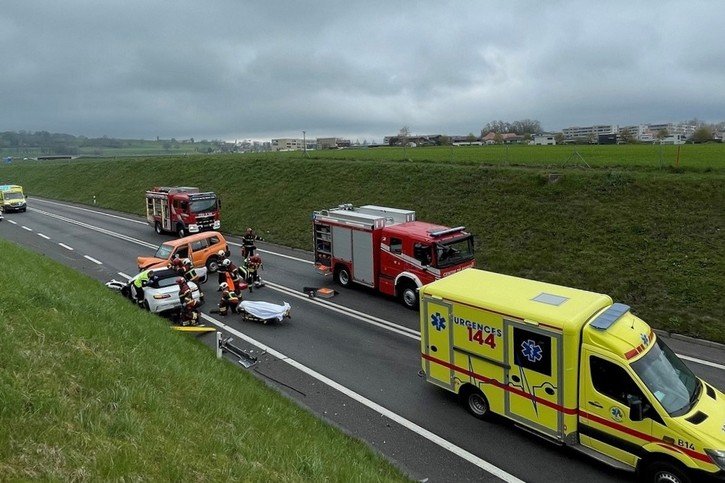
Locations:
184 205
635 408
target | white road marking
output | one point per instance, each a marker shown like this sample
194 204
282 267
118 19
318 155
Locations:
127 277
430 436
93 260
336 308
66 246
92 211
700 361
274 253
26 228
43 236
13 222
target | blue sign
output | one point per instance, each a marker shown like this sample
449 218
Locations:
438 321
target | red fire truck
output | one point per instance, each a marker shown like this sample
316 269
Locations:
182 210
387 249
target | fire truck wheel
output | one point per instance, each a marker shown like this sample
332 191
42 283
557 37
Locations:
157 228
180 231
343 276
664 472
409 296
476 402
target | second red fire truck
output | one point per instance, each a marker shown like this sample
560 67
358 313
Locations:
387 249
182 210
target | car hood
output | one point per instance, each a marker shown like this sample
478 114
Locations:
144 263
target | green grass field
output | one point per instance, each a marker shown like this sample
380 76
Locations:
650 238
92 388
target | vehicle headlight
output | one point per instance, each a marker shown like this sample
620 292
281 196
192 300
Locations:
217 224
718 457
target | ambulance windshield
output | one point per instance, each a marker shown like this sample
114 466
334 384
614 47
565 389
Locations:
207 204
668 379
454 252
14 196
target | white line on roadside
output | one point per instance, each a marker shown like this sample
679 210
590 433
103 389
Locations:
93 260
92 211
127 277
700 361
336 308
430 436
66 246
26 228
13 222
43 236
274 253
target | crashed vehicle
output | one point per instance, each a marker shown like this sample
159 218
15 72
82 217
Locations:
161 294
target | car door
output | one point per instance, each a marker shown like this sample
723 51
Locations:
199 252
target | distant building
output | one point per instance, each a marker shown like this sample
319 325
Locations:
589 133
544 139
333 143
506 138
287 144
674 139
607 138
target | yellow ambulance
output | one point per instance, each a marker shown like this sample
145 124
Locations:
12 198
575 368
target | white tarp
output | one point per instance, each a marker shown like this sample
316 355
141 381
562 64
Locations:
265 310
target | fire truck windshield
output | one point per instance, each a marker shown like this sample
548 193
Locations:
199 206
454 252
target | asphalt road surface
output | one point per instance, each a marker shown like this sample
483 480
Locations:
352 360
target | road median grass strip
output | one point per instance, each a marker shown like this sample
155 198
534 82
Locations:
93 388
650 238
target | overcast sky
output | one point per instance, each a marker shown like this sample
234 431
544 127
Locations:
362 70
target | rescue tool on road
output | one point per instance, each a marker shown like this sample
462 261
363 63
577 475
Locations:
182 210
387 249
575 368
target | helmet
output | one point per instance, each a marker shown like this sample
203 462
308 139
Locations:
180 280
223 286
186 262
256 259
221 253
176 262
226 262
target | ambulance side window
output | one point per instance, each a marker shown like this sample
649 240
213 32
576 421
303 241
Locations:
613 381
396 245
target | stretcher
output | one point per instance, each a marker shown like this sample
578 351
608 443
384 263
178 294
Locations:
254 311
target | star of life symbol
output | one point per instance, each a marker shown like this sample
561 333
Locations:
438 321
645 339
531 351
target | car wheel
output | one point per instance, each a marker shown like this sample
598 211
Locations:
665 472
343 276
212 264
146 306
476 403
157 228
409 296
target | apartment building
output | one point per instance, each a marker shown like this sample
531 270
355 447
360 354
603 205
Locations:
589 132
287 144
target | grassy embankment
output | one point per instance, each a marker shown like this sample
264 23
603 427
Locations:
91 388
650 238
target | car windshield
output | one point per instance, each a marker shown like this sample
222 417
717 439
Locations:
164 251
668 379
198 206
454 252
14 196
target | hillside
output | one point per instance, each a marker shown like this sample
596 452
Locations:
651 238
92 388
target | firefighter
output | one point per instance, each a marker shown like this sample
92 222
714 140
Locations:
189 273
229 301
140 282
189 313
248 245
254 264
175 264
227 269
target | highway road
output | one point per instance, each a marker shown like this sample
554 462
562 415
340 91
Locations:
353 360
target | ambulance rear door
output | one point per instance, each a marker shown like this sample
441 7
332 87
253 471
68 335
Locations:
437 342
534 392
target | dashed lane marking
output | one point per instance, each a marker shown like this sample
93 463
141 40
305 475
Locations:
43 236
66 246
127 277
26 228
13 222
97 262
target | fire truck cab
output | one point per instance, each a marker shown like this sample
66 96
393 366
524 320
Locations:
182 210
387 249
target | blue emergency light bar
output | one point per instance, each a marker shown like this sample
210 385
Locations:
609 316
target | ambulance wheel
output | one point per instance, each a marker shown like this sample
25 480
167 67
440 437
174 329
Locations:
409 296
665 472
157 228
476 402
343 276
